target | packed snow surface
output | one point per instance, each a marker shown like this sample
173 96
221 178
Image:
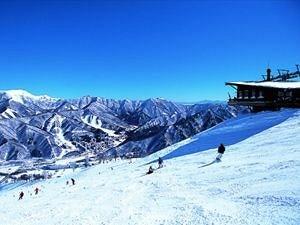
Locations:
257 182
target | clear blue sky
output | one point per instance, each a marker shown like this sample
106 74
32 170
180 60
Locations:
178 50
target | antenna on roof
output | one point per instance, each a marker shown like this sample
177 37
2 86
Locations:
267 77
285 75
268 74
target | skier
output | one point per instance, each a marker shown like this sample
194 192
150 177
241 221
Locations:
150 170
86 163
21 195
221 150
36 190
160 163
73 181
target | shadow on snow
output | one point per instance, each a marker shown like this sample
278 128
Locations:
230 132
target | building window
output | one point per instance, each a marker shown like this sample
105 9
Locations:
246 94
285 94
261 94
289 93
280 93
253 93
240 94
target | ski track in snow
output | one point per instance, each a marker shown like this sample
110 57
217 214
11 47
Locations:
59 136
257 182
96 123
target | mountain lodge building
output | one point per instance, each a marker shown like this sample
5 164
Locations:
272 93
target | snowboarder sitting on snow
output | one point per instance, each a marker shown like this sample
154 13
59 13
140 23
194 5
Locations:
150 170
160 163
21 195
221 150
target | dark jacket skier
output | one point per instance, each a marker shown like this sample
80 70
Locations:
21 195
36 190
160 162
221 150
73 181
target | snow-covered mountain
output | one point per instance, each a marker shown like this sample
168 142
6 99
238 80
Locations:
24 97
41 126
257 182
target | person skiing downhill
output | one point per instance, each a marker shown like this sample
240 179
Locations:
21 195
36 190
73 181
221 150
160 163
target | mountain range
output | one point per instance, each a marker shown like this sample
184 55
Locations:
43 127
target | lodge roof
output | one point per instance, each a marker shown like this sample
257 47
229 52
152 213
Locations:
268 84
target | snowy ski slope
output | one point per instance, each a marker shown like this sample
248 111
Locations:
257 182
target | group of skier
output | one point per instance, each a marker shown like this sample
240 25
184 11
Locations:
21 195
160 165
72 181
37 190
221 150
